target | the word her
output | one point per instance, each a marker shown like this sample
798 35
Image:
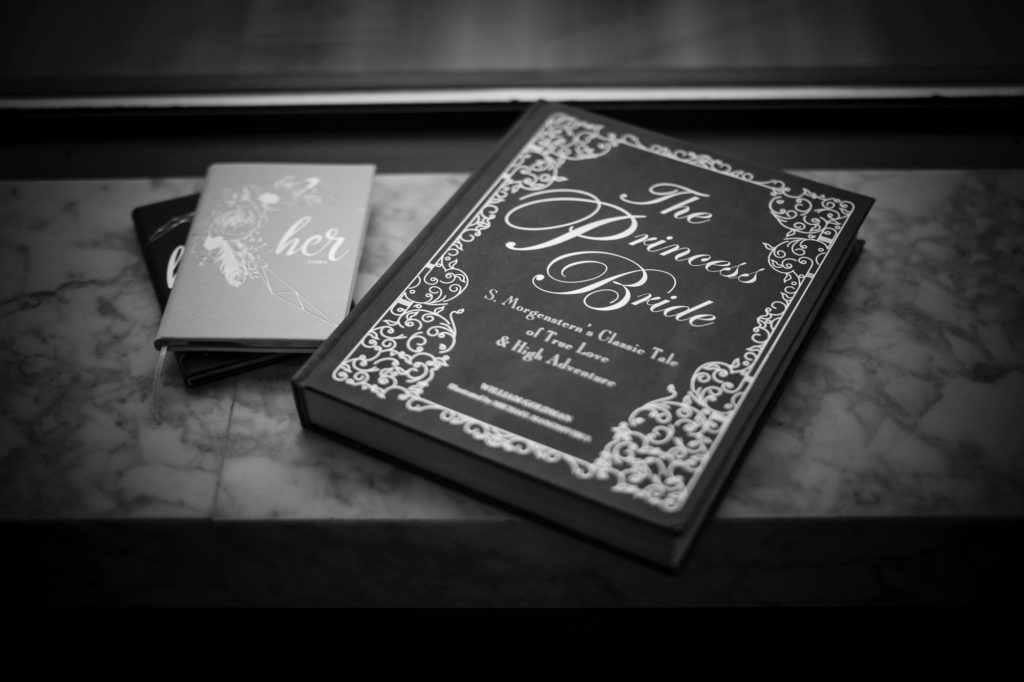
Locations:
313 245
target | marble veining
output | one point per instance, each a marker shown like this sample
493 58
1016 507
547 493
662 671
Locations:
908 399
80 436
273 468
905 403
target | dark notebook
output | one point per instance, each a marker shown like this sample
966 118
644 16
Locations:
162 229
592 329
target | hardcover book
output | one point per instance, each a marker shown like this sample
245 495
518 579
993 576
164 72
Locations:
162 230
592 328
271 258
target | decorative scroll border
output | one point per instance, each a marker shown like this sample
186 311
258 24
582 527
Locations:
658 452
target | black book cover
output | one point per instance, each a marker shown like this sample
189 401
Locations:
591 329
162 229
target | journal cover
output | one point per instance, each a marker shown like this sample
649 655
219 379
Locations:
591 329
162 230
271 258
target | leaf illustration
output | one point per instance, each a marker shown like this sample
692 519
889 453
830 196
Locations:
232 270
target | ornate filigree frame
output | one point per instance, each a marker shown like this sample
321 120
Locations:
655 455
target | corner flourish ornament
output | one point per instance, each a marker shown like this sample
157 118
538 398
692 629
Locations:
662 446
413 339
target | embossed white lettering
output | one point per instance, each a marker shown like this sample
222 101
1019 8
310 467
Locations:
314 244
172 264
666 191
585 226
607 281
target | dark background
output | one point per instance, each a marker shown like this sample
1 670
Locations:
144 88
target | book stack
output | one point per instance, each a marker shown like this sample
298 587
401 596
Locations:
590 331
257 268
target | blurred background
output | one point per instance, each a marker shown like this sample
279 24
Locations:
459 50
138 88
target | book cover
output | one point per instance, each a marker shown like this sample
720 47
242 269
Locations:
591 329
271 258
162 231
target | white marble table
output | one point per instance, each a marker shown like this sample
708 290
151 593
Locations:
906 404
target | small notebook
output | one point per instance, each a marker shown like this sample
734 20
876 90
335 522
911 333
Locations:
162 229
270 260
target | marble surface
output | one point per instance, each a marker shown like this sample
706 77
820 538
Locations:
908 400
906 404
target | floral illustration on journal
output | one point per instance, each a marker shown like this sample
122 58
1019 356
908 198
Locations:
233 239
